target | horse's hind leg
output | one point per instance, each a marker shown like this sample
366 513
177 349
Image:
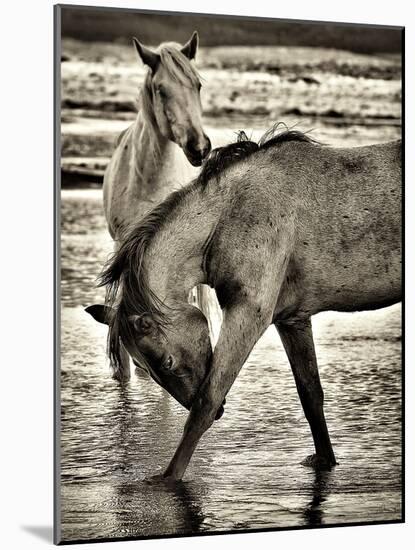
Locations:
298 342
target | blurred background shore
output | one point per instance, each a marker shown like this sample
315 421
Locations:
343 81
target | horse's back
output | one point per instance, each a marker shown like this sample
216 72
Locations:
329 181
348 219
343 208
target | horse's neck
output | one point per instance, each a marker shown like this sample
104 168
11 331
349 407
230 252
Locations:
175 258
149 147
159 165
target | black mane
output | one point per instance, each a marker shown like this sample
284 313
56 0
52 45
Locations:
126 282
222 158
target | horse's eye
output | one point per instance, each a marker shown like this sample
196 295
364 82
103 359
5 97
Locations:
168 364
199 86
161 91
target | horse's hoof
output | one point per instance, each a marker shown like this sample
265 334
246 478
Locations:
318 462
159 479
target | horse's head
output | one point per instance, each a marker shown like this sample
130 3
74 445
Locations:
173 94
176 356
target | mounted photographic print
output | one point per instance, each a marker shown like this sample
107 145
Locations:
228 274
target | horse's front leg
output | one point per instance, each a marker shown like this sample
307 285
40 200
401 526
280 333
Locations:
297 339
242 327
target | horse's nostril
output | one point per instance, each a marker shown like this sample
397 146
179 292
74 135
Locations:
194 155
198 149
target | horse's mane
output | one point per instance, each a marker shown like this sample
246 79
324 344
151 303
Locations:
126 268
125 278
223 157
177 64
125 274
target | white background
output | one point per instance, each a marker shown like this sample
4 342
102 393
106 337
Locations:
26 183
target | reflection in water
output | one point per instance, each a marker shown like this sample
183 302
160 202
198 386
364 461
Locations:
173 508
314 512
190 506
246 472
177 503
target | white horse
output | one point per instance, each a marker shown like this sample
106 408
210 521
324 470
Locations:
159 152
156 153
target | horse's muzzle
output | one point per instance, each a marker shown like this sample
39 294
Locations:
196 154
194 161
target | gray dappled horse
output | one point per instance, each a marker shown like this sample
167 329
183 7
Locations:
281 230
158 153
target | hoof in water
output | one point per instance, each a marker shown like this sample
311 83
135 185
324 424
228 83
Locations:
318 462
160 479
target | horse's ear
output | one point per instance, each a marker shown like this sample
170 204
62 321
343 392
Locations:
149 58
144 324
102 314
190 48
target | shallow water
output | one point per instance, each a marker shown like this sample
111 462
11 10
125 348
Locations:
246 472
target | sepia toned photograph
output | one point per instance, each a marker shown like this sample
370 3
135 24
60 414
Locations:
229 249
